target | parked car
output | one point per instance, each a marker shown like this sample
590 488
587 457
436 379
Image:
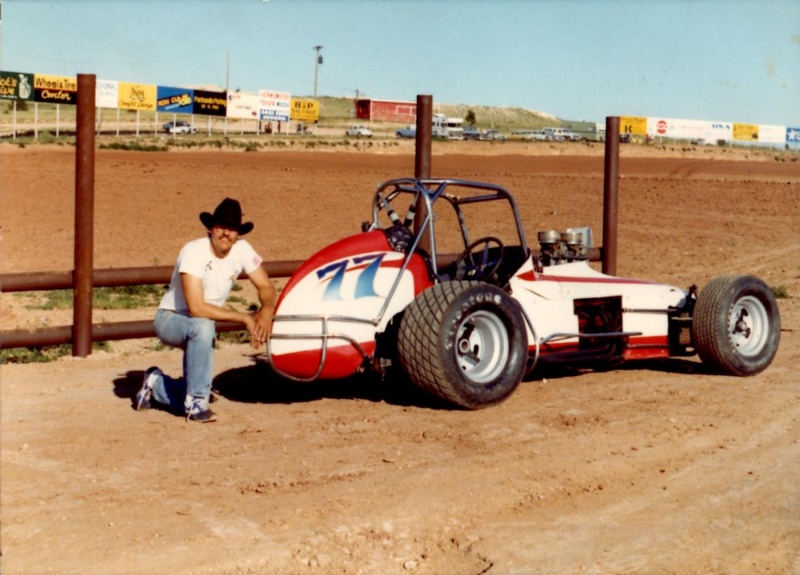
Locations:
469 328
496 135
359 131
536 135
472 133
407 132
179 127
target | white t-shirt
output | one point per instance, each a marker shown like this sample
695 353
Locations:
218 275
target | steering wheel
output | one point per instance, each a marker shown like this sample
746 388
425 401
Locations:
475 263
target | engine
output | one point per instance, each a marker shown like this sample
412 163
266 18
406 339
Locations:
563 247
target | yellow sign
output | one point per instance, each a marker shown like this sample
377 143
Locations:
305 110
633 125
43 82
745 132
137 96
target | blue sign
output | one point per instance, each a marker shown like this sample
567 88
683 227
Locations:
274 115
177 100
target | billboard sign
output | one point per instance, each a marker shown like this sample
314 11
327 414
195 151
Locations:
745 132
633 125
106 93
305 110
137 96
698 131
16 86
176 100
771 134
274 105
55 89
244 106
720 131
209 103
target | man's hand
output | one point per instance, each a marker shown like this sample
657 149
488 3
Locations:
267 296
262 327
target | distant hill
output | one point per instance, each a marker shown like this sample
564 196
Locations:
339 111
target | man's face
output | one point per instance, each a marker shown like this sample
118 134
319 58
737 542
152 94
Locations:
222 239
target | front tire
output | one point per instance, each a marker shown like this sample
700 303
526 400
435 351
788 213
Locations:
465 342
736 325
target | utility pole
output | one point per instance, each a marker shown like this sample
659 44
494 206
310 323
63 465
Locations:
317 62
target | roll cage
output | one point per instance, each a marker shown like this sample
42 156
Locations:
420 218
422 193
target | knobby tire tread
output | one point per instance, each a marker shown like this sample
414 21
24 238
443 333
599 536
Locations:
418 343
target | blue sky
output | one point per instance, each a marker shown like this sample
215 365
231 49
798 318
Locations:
726 60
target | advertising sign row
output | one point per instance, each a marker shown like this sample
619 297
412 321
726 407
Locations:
266 105
708 132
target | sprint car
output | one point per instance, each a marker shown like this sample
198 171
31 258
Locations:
469 328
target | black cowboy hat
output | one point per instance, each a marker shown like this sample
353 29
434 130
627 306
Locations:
229 214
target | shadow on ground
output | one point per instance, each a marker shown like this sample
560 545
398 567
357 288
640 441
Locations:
258 383
665 365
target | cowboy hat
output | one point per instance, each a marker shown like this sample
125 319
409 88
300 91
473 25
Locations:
229 214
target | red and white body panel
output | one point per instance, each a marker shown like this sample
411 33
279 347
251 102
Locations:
548 298
330 312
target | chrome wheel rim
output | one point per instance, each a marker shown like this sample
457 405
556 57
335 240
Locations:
748 326
482 346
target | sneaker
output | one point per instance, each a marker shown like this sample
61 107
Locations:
198 411
142 400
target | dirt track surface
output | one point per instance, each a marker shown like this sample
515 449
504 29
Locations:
660 467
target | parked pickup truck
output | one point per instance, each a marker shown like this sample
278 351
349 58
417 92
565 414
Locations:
472 133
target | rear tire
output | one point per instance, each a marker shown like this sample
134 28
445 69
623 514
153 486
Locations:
465 342
736 325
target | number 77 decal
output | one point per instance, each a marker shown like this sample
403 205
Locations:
365 285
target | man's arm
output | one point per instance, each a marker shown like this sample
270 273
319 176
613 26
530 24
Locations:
267 296
199 307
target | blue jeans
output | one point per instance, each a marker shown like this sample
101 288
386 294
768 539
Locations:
195 336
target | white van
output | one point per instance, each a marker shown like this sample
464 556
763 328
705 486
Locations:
561 135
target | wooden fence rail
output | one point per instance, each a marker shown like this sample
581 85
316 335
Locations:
116 277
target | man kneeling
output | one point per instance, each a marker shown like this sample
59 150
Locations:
203 276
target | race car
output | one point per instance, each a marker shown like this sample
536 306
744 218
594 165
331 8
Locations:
469 328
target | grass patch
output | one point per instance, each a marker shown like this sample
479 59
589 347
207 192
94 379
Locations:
241 301
134 146
126 297
234 337
780 292
43 354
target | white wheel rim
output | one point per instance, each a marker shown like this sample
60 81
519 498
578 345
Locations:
748 326
482 346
